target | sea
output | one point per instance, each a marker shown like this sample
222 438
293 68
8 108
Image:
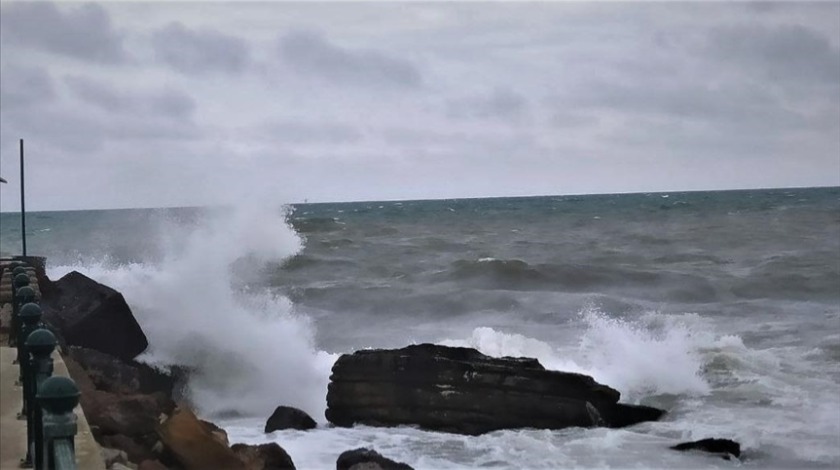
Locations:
722 308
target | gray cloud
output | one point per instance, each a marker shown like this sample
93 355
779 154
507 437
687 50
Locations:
296 132
730 103
25 86
84 32
311 53
787 52
166 103
199 51
501 103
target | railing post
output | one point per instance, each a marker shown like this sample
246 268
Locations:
30 315
58 396
40 344
17 268
19 279
24 295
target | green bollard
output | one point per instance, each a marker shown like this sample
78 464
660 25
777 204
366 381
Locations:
19 279
30 315
40 344
58 396
23 296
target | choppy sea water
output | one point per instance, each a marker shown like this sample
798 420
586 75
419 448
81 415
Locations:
721 307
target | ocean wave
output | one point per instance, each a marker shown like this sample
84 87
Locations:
305 225
515 274
249 350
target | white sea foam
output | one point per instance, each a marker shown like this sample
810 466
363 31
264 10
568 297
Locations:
249 352
656 354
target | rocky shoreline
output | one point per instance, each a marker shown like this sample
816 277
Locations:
142 420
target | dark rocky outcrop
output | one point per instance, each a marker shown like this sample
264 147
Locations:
263 457
723 447
286 417
367 459
461 390
88 314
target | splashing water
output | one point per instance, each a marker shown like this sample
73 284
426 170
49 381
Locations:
656 354
248 353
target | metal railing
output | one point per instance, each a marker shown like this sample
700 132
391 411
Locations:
48 401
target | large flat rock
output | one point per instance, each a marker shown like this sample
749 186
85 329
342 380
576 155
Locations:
461 390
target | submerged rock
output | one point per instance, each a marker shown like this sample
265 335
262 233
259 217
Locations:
724 447
286 417
367 459
88 314
461 390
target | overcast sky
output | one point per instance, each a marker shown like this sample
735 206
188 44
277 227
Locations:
186 103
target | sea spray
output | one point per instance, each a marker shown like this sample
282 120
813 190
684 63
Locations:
248 350
655 354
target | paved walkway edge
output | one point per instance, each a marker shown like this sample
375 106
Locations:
13 431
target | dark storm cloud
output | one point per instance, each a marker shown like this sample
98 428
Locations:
501 103
786 52
25 86
165 103
84 32
312 54
199 51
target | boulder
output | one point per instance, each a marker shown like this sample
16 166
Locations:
194 445
723 447
151 464
621 414
112 374
218 433
463 391
263 457
129 415
88 314
112 456
135 449
286 417
367 459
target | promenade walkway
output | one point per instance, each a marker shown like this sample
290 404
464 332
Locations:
13 430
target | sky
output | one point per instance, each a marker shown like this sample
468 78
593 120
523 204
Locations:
151 104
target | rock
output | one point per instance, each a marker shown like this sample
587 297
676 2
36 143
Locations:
461 390
112 374
218 433
135 450
129 415
724 447
91 315
194 445
120 466
286 417
150 464
264 456
367 459
112 456
621 415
